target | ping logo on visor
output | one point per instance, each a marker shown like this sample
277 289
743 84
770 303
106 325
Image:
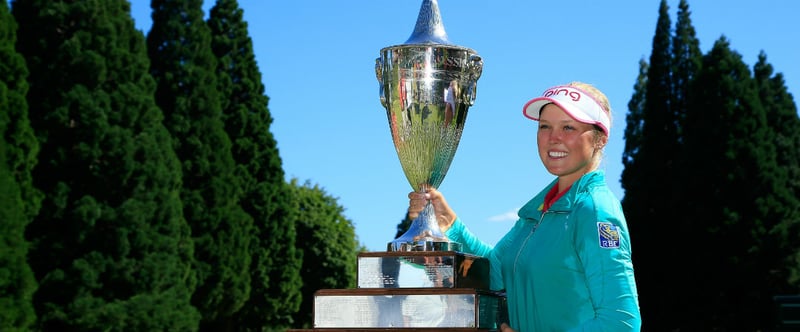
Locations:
578 104
608 235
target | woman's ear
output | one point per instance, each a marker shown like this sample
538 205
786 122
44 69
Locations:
601 142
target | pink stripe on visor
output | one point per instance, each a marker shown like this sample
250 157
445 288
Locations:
578 104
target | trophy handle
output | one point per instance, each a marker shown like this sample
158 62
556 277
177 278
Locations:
379 75
475 69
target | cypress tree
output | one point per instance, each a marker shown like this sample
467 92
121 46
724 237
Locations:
677 204
23 147
634 123
179 47
686 62
18 149
784 122
275 269
16 278
111 250
650 154
739 200
633 141
782 118
329 256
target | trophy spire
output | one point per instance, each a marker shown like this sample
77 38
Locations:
429 28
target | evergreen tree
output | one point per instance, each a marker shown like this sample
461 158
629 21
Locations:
111 250
634 123
699 160
17 283
740 199
16 278
23 147
686 62
275 269
633 141
649 158
676 201
179 47
782 117
329 246
783 120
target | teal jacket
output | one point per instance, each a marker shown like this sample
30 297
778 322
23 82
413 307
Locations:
567 269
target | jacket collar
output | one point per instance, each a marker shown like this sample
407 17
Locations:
533 209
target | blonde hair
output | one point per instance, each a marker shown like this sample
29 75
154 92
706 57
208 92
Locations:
600 136
598 95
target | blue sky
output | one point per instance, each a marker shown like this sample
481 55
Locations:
317 60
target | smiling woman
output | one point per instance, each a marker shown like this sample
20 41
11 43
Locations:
571 238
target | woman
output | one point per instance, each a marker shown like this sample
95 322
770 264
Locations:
566 263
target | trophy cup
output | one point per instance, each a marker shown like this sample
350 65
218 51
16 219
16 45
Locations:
427 85
423 282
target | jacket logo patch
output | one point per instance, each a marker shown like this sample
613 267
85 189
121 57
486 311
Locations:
608 235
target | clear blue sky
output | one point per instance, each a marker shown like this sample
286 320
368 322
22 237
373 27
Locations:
317 59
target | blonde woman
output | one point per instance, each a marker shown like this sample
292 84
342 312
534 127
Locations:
566 263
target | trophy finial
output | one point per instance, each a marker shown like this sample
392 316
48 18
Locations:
429 28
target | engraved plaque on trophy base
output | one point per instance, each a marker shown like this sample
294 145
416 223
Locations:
422 269
409 308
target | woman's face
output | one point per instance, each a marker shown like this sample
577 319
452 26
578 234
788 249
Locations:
567 147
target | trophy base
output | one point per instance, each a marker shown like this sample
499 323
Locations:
413 291
423 246
409 308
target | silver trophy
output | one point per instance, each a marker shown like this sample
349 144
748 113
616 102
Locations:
427 85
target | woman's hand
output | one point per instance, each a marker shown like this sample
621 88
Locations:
444 214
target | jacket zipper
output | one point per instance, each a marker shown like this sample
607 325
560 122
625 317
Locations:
533 230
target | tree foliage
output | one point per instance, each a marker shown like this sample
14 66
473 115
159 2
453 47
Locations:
275 268
23 148
649 157
16 278
701 168
111 249
179 47
783 121
328 244
18 148
742 200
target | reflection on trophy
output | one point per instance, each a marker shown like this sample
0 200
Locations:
427 85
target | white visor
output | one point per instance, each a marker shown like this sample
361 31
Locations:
578 104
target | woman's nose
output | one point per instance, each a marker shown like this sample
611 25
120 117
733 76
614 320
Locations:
554 136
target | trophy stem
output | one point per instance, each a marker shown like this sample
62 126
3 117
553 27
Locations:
424 234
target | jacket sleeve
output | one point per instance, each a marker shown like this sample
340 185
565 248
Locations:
603 246
472 245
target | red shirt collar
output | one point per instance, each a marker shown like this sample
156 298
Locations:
552 196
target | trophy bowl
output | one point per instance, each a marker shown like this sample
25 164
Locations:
426 86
